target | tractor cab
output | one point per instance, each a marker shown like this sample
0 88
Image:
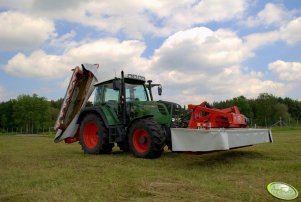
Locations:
109 91
129 98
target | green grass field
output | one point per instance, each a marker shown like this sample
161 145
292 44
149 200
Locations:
35 169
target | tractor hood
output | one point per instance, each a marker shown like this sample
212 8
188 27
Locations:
80 88
157 110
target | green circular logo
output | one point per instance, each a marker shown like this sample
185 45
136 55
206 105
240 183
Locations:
282 190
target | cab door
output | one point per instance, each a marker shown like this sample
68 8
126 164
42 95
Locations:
107 98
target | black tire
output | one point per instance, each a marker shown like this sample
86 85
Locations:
146 139
94 136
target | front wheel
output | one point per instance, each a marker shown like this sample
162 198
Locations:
93 135
146 139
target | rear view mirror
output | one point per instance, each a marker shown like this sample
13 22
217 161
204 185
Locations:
160 90
116 84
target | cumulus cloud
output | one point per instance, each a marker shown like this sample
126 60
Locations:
201 12
286 71
20 31
234 82
291 32
272 14
193 65
36 65
200 48
111 54
288 26
257 40
64 41
200 64
228 83
132 17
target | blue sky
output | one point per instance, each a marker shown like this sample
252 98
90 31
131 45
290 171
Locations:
198 49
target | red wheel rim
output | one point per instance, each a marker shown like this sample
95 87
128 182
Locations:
141 140
90 135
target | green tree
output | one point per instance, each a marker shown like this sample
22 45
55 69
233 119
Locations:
6 112
32 112
280 112
4 121
294 107
243 105
56 103
265 109
241 102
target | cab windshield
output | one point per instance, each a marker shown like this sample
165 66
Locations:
135 92
105 93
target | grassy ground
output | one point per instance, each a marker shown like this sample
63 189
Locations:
35 169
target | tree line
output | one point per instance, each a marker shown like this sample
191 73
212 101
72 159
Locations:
29 114
34 114
266 110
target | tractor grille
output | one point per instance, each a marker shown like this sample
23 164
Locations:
162 109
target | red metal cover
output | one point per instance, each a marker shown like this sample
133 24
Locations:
202 116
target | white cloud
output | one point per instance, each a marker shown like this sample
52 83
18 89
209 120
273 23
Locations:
188 13
286 71
19 31
37 65
193 65
199 64
111 54
257 40
288 26
64 41
132 17
291 33
231 82
272 14
200 48
218 10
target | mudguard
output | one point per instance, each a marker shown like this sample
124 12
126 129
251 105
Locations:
79 90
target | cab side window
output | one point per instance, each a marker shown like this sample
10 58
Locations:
98 96
110 93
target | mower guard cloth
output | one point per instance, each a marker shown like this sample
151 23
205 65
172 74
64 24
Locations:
204 140
79 90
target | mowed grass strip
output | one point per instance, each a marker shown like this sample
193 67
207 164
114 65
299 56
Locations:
35 169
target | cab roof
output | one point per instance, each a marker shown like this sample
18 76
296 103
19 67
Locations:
126 80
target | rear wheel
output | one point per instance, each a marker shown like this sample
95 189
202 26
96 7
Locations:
146 139
93 135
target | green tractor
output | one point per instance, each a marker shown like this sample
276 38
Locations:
124 113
